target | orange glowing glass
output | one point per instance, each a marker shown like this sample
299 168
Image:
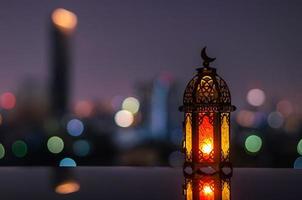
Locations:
188 138
206 138
207 190
225 136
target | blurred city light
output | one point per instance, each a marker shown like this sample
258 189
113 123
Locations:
19 148
298 163
67 162
83 108
299 147
81 148
2 151
124 118
67 187
255 97
253 143
64 19
55 144
245 118
75 127
131 104
285 108
8 100
275 120
292 124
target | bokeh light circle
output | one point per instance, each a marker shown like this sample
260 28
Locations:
299 147
67 162
64 19
75 127
83 108
123 118
275 120
253 143
2 151
19 148
131 104
246 118
255 97
81 148
285 108
8 100
55 144
298 163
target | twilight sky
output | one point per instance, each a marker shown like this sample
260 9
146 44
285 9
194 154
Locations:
257 43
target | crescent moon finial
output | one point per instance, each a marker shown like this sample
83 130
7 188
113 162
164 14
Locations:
206 58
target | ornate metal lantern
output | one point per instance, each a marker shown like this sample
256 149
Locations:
207 188
206 107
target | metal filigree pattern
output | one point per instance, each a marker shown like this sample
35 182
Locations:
225 96
189 91
207 89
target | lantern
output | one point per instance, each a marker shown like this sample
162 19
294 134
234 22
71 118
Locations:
206 107
207 187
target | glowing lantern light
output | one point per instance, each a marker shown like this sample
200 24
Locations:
123 118
8 100
213 187
207 107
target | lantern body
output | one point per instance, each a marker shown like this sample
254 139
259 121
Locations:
207 188
207 107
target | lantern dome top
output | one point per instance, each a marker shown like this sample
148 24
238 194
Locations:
207 91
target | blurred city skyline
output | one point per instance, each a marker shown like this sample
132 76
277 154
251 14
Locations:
118 44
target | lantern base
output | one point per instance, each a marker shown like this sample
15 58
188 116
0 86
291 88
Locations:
224 168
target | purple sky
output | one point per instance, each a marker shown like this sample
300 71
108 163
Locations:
257 43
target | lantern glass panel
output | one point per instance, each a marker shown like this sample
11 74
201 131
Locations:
206 137
226 193
189 191
225 135
188 138
207 189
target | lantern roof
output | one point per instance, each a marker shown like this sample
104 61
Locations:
207 90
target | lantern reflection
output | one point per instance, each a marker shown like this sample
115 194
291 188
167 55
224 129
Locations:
207 187
64 181
207 107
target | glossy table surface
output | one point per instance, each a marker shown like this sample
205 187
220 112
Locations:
141 183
